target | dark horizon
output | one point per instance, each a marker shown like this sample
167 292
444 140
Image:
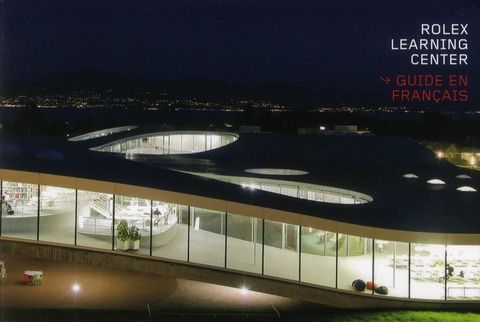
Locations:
339 48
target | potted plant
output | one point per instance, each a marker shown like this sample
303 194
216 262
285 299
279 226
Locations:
134 236
123 235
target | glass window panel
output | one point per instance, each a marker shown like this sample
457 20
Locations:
391 267
427 274
463 270
175 144
318 257
342 245
244 243
281 250
57 214
166 144
157 144
94 219
207 240
170 230
354 260
199 142
187 143
215 141
331 198
135 212
289 191
19 210
145 145
131 146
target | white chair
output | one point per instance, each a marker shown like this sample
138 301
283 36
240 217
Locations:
3 274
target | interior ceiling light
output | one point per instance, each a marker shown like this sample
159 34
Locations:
466 189
436 181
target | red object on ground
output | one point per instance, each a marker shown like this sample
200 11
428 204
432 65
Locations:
371 286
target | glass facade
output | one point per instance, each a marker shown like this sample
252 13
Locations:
318 256
207 237
354 260
244 243
427 271
95 212
19 210
133 225
170 230
172 143
391 266
137 214
57 215
301 190
463 272
281 250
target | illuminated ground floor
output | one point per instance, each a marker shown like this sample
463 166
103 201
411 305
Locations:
239 242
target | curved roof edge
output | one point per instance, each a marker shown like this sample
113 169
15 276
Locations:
102 133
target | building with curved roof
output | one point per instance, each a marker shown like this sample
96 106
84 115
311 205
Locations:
321 211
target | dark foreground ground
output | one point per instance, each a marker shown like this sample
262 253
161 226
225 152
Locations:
25 315
104 295
77 292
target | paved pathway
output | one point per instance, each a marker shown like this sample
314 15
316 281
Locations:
105 289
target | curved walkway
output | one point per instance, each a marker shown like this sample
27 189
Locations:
105 289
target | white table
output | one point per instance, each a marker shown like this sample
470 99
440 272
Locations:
28 276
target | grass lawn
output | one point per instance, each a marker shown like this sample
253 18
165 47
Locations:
391 316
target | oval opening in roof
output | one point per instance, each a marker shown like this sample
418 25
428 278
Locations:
463 176
277 172
466 189
410 176
436 181
293 189
169 142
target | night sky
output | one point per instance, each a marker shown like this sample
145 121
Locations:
342 46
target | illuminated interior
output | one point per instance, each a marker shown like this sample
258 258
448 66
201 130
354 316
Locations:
240 242
294 189
169 143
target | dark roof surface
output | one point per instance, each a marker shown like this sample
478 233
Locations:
372 165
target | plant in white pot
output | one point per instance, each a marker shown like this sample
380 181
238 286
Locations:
123 236
134 236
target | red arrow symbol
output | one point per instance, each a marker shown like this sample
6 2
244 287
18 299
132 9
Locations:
385 79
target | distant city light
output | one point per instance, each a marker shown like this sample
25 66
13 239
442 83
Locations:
440 154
